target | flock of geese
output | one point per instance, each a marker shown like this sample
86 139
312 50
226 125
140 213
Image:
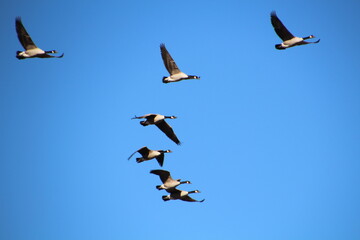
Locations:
168 183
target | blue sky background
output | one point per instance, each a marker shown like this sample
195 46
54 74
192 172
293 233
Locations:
270 138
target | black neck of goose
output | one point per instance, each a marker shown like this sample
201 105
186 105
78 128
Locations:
193 192
184 182
52 51
308 37
164 151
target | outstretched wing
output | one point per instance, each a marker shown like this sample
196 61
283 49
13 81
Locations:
305 42
163 126
49 56
147 116
187 198
279 27
168 60
163 174
142 151
23 36
160 159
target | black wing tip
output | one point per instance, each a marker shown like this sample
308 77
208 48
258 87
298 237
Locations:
60 56
160 162
202 200
273 13
158 171
154 171
162 45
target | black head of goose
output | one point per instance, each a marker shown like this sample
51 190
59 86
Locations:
31 50
148 154
175 74
177 194
167 180
159 121
289 40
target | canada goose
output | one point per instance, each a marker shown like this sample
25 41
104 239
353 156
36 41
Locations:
168 181
289 39
159 121
148 154
175 74
31 50
177 194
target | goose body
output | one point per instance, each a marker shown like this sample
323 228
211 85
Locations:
159 121
168 182
175 74
148 154
31 50
289 40
177 194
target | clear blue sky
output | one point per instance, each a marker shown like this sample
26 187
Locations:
270 138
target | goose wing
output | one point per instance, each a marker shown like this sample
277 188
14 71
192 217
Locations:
136 117
49 56
142 151
187 198
279 27
163 174
165 128
149 116
305 42
174 192
160 159
168 60
23 36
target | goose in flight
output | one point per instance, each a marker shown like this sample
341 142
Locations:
31 50
159 121
289 40
177 194
175 74
168 182
148 154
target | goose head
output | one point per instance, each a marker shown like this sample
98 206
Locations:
171 117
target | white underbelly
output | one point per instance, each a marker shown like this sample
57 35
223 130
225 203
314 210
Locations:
292 41
32 52
177 76
153 154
